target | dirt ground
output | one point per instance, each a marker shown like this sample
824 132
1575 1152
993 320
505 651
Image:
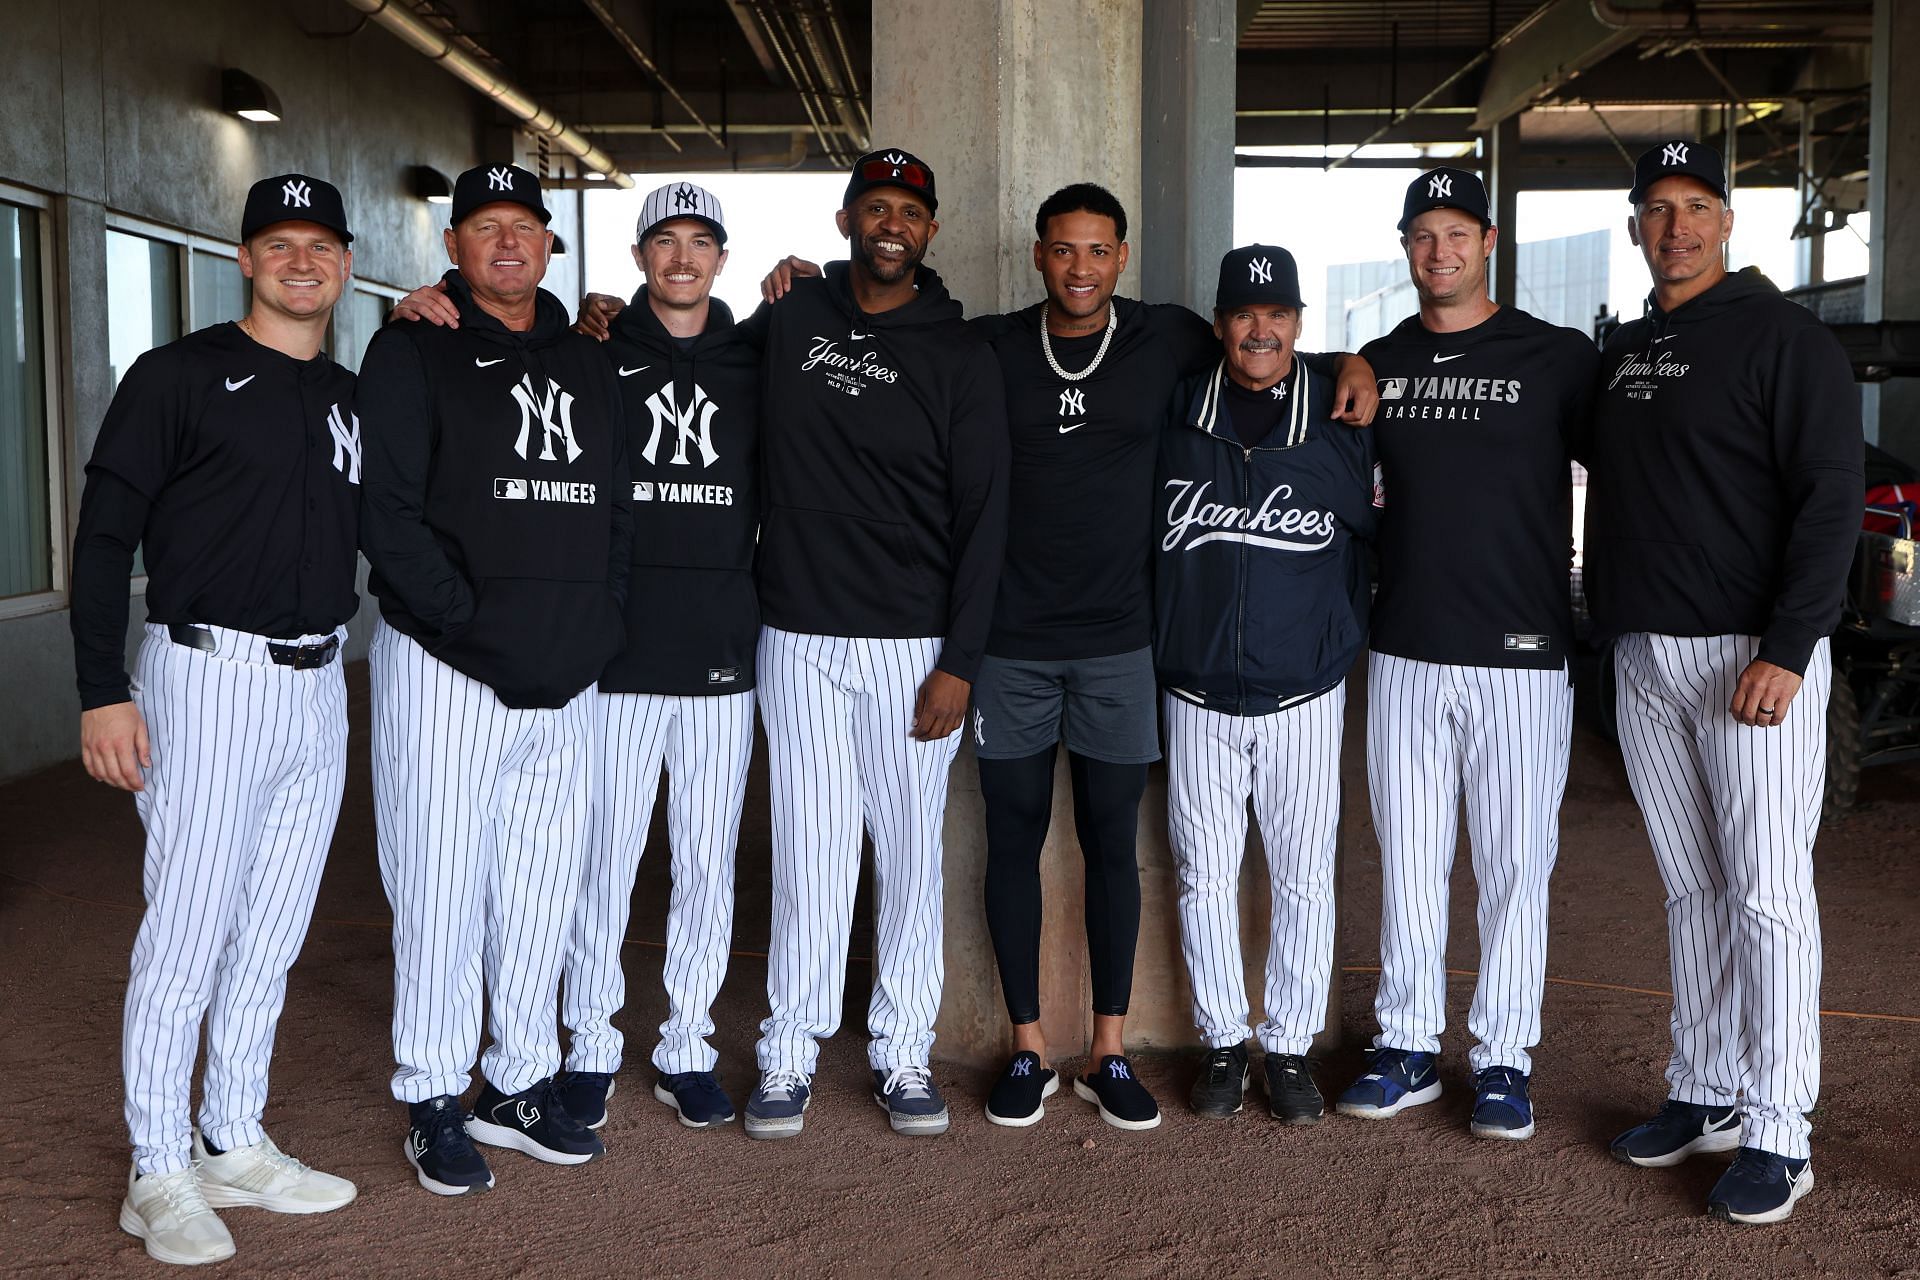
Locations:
1415 1196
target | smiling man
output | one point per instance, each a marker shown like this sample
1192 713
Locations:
233 457
1724 509
1467 683
496 521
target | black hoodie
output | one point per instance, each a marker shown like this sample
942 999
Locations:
885 463
1726 473
693 443
494 499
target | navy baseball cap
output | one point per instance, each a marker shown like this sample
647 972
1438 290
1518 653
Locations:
1257 273
1678 158
892 168
294 197
486 184
1445 188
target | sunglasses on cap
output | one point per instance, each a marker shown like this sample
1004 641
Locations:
912 175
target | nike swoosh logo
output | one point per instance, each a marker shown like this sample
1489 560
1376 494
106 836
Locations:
1665 338
235 386
1064 428
858 337
1440 359
478 363
628 373
1416 1077
1731 1122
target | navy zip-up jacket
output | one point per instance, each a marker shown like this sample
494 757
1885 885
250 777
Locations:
1260 595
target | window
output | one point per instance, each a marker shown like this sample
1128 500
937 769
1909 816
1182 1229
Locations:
219 290
366 307
143 298
28 509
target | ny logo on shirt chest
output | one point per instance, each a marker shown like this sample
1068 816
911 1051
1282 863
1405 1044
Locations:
553 410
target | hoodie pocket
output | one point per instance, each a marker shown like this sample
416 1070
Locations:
857 568
1670 588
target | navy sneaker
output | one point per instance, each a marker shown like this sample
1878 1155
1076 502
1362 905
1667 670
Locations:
1292 1096
1221 1087
1395 1080
1501 1107
778 1107
1123 1101
440 1152
1760 1187
1681 1129
697 1096
584 1094
1017 1097
911 1100
534 1122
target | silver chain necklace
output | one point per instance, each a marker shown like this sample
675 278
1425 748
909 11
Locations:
1046 345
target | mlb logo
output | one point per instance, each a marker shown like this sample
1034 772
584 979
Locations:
1393 388
643 491
508 487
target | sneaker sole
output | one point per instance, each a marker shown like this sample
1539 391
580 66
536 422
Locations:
1705 1144
665 1095
1215 1113
915 1126
1781 1214
770 1128
445 1188
134 1225
1368 1111
1520 1134
499 1135
1299 1121
223 1197
1082 1089
1047 1090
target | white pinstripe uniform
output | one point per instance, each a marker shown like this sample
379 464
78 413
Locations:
249 759
1288 761
839 713
1499 736
1732 812
483 833
705 744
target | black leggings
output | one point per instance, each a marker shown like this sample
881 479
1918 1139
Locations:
1106 815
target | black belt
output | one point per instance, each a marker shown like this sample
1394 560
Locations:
301 657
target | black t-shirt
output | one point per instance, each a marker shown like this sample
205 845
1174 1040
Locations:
238 467
1254 414
1475 433
1074 583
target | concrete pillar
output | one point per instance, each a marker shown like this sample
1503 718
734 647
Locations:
1186 149
1892 409
1504 193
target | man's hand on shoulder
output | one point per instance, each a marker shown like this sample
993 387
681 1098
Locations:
113 745
779 281
1356 394
597 311
941 706
431 303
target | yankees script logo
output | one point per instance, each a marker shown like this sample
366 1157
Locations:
296 194
535 406
1640 373
664 411
346 443
1190 511
845 372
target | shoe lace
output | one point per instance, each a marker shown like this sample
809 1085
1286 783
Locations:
1220 1066
1750 1164
780 1086
447 1129
1498 1080
910 1082
182 1193
1294 1073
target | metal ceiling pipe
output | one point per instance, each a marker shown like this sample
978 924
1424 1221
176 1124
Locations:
402 21
626 40
1665 15
801 77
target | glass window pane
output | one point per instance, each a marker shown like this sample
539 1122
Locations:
26 550
219 290
369 312
143 308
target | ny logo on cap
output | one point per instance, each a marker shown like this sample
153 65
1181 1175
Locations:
1072 403
500 179
1439 185
1260 271
296 194
684 197
1674 153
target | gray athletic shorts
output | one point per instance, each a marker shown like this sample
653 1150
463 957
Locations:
1110 707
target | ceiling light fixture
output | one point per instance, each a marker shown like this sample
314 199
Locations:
250 99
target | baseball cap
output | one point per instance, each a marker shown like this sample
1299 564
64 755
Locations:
1678 158
1445 188
493 183
680 200
1257 273
892 168
294 197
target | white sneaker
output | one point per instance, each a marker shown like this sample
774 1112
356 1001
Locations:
264 1177
168 1212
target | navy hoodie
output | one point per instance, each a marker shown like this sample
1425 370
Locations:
1726 473
494 503
884 448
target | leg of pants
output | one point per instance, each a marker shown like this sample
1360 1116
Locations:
1413 767
1517 728
1106 817
631 733
903 789
1296 797
707 756
1209 776
1019 808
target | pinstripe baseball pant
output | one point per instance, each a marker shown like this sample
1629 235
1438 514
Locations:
1288 762
249 759
482 816
838 714
1499 737
1732 812
705 744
